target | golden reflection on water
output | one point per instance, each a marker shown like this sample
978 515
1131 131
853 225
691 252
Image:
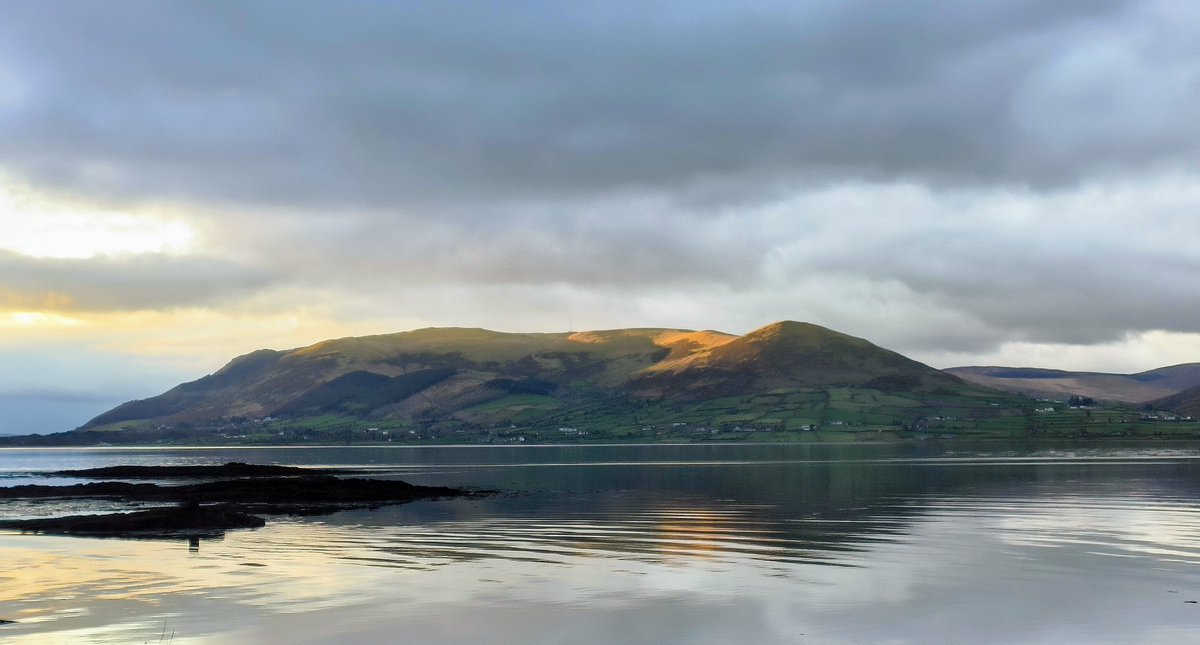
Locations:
696 533
84 587
93 582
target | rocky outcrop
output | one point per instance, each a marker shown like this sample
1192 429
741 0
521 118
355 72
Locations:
214 506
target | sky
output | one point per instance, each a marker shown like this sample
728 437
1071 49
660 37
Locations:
1009 182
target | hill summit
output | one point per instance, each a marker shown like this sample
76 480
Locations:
786 355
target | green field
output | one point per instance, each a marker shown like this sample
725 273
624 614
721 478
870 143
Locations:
800 414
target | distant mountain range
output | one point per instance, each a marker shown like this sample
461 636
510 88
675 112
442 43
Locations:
1143 387
476 384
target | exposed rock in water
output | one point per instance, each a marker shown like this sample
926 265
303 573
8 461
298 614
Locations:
320 489
231 469
159 522
230 502
98 490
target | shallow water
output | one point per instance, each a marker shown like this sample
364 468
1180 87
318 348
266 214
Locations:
912 543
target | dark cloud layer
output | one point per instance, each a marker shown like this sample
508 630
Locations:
382 104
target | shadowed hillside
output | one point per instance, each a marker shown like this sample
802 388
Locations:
1186 402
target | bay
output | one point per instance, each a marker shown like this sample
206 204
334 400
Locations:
870 543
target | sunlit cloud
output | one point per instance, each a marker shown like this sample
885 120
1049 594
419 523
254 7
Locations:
40 225
37 319
191 340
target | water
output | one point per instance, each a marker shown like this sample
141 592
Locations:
912 543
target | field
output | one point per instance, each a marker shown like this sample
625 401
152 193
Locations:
800 414
814 414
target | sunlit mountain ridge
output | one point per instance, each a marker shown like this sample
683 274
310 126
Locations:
453 384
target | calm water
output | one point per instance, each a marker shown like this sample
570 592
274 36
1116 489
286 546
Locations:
652 544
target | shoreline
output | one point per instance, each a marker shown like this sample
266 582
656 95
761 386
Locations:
613 444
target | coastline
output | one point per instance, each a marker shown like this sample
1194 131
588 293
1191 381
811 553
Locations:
1149 439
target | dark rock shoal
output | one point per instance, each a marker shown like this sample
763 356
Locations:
98 490
231 469
156 522
227 503
318 489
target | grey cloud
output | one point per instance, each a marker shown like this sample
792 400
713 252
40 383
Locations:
1086 295
1079 267
906 265
626 244
122 282
426 103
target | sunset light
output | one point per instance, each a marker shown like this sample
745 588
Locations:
36 319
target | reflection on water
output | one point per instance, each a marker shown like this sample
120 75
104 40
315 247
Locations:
660 544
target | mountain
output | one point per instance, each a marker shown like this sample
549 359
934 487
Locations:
1059 384
787 374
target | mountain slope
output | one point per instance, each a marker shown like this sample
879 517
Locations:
1059 384
433 383
787 355
1176 377
1186 402
473 366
